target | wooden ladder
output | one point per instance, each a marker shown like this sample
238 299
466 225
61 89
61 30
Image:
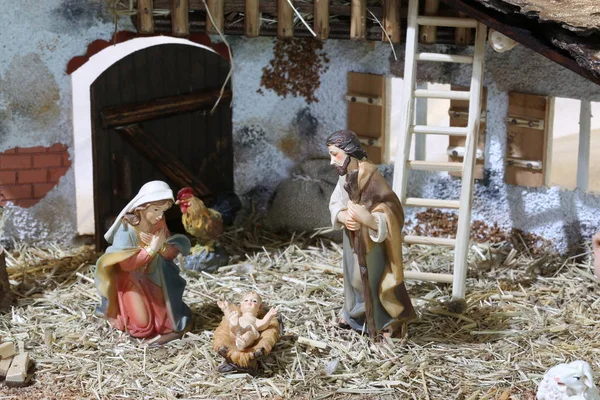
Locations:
408 128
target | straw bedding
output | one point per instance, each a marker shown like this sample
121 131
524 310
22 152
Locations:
524 314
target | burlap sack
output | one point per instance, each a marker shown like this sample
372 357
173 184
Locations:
301 203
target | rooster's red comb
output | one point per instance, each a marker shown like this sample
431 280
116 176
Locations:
186 191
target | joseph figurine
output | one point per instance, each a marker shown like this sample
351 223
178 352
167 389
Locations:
371 216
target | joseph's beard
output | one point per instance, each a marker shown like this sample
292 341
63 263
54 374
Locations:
343 169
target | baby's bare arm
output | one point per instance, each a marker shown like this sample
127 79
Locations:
262 324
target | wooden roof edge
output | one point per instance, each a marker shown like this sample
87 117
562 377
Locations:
513 28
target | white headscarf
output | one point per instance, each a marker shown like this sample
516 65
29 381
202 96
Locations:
151 191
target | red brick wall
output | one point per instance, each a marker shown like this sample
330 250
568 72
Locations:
28 173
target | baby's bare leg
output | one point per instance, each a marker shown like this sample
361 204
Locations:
245 340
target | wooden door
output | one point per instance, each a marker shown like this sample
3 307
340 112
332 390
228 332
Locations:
199 140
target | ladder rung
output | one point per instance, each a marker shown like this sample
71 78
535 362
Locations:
442 94
440 130
435 166
429 240
437 57
451 22
428 276
435 203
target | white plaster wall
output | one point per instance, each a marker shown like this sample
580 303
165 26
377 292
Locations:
37 39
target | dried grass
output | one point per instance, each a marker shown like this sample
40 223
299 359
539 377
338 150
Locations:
524 315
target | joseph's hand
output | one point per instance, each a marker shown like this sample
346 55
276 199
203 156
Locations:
360 214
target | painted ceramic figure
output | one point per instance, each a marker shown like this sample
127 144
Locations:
245 334
596 249
371 215
140 285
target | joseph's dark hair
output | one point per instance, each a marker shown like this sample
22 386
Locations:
347 141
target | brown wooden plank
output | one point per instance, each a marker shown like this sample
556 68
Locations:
463 36
180 17
285 19
358 20
526 143
252 18
321 18
368 121
514 29
170 166
391 21
145 16
427 34
216 8
6 295
462 121
161 107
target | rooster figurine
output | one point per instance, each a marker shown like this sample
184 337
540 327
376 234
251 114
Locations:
206 224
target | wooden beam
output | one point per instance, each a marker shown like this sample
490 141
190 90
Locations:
463 36
513 27
147 146
145 16
321 18
358 20
180 17
428 34
156 108
391 20
583 159
252 18
216 8
285 19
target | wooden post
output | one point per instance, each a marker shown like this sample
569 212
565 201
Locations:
252 18
6 295
145 16
217 12
421 119
583 160
358 20
180 17
463 36
391 20
285 19
147 146
321 19
428 33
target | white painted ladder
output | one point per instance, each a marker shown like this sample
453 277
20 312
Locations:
408 128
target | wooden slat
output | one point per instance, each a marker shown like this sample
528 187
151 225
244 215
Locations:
147 146
434 203
463 36
156 108
358 20
451 22
438 57
426 240
321 18
285 19
217 12
180 17
145 17
524 142
427 276
439 130
252 18
427 34
434 166
459 120
391 21
442 94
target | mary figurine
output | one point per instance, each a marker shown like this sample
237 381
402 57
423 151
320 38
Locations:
140 285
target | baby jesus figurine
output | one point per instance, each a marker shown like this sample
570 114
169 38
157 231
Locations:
245 327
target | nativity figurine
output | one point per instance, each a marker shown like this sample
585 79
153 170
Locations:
245 334
371 216
140 286
596 250
568 381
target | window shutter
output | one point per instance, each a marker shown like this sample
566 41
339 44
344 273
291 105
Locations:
527 156
366 112
459 117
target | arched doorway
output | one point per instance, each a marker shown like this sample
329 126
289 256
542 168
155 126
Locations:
198 140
